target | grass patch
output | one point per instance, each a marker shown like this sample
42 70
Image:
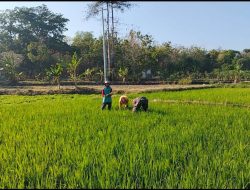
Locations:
66 141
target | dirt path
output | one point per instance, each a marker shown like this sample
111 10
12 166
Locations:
93 89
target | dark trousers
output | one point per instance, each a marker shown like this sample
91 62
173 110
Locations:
143 104
109 105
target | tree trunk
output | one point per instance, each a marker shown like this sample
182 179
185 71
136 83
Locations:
236 79
75 79
58 82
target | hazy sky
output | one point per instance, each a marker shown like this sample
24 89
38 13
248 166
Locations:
210 25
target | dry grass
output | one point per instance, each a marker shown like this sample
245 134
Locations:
92 89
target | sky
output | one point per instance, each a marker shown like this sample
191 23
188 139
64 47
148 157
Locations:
209 25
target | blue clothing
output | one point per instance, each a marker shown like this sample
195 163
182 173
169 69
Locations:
105 91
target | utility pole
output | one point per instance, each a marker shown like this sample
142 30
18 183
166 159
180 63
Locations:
104 50
112 41
108 47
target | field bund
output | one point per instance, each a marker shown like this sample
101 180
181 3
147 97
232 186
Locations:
92 89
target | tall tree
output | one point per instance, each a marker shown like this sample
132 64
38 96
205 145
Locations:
22 26
163 56
94 9
84 43
39 55
133 55
227 57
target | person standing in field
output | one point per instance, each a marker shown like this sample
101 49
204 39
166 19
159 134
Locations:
106 96
140 103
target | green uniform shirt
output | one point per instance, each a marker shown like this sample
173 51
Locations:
106 99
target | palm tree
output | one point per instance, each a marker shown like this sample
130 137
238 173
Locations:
101 74
237 72
88 74
56 72
72 68
123 73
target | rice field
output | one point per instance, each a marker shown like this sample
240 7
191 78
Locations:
66 141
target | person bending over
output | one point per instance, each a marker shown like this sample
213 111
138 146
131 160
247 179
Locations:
140 103
123 102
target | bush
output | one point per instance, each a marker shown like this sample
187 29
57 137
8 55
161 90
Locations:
185 81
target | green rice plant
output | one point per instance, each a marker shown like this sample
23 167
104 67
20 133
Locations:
67 141
224 95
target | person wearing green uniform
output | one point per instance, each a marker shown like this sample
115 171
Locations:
106 96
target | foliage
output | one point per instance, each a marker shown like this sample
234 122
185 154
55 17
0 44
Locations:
37 28
100 74
123 73
55 72
37 34
24 25
94 9
72 68
185 81
88 74
37 52
9 62
89 49
39 55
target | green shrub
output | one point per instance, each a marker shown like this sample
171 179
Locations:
185 81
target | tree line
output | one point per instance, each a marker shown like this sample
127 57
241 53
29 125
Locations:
33 46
